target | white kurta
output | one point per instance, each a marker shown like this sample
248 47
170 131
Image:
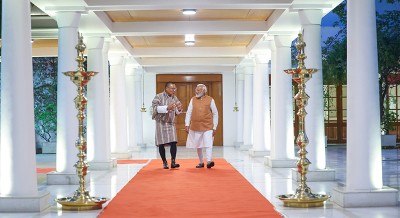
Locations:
201 139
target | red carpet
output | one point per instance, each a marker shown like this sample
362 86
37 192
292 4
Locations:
189 192
132 161
45 170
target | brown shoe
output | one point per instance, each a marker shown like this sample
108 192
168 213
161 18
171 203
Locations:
210 164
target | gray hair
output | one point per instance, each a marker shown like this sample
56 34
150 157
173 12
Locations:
203 86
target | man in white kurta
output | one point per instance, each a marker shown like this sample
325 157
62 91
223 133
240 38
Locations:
201 122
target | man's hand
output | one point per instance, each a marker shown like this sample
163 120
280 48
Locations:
171 106
187 128
179 106
214 132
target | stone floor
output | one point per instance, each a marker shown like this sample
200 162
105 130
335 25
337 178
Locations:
270 182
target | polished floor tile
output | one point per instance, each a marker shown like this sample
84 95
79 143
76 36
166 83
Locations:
270 182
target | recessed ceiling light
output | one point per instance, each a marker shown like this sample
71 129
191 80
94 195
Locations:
189 11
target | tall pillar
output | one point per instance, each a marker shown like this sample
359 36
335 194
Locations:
314 122
273 90
138 76
130 100
364 186
118 113
282 150
260 107
106 80
248 106
240 104
67 123
98 151
18 190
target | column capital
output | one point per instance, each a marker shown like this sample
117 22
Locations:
68 19
117 60
283 41
95 42
310 17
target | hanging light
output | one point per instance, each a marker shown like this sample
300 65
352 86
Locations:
189 39
143 108
235 108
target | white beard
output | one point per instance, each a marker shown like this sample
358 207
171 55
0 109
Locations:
199 95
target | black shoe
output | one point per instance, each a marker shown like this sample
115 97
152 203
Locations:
200 165
174 165
165 165
210 164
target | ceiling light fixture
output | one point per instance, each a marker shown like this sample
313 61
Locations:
189 11
189 39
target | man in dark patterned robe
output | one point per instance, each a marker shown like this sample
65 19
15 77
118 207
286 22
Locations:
165 107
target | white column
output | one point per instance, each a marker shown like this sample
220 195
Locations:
273 90
314 123
260 106
106 80
149 125
67 123
364 186
240 104
138 76
248 107
130 100
98 151
18 190
118 113
282 150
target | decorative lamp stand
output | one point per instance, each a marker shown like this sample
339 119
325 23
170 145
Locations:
303 196
235 108
81 199
143 108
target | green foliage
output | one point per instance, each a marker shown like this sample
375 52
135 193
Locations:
45 96
334 57
387 121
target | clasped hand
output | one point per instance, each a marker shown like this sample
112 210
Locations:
172 106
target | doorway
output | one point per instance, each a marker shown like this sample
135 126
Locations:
185 84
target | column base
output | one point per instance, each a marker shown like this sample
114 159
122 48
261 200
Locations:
124 155
365 198
315 175
103 165
36 203
279 163
255 153
244 147
142 145
135 148
237 144
56 178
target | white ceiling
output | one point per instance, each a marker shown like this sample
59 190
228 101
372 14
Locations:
152 31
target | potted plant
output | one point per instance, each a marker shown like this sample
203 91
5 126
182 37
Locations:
388 118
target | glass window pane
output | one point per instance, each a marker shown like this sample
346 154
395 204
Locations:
344 90
392 90
332 91
326 117
332 104
392 102
344 114
344 103
332 114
